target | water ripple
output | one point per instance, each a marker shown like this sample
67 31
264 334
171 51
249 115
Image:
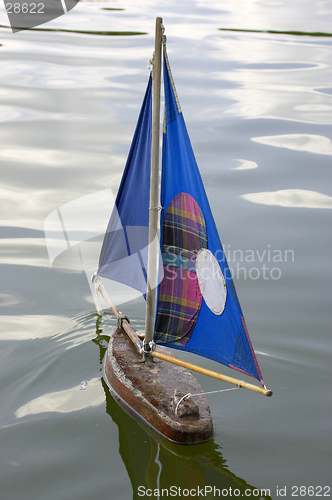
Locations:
65 401
310 143
295 198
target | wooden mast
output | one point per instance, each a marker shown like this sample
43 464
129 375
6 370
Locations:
152 271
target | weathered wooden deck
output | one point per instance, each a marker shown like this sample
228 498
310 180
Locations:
146 390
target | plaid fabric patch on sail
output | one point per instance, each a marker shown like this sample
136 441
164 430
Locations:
180 298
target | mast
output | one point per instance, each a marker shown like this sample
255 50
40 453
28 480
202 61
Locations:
152 271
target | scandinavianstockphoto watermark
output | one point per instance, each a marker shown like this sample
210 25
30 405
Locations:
75 231
252 264
257 264
26 14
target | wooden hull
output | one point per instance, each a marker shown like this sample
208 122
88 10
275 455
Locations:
146 391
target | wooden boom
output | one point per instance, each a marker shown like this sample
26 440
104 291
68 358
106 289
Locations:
210 373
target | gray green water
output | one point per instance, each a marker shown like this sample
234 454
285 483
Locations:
258 110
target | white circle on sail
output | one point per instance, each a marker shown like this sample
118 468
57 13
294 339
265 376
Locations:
211 281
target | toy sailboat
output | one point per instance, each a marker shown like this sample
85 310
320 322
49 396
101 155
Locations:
191 302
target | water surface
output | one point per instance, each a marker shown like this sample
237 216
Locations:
258 110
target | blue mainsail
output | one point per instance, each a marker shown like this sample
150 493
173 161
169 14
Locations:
123 256
198 309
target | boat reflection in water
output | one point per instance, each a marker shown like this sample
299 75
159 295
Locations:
154 463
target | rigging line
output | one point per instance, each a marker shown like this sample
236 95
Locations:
213 392
202 394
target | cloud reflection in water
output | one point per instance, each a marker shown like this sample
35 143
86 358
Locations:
310 143
65 401
295 198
